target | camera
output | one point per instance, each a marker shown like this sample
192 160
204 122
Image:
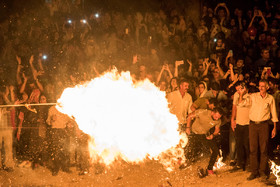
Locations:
215 39
96 15
69 21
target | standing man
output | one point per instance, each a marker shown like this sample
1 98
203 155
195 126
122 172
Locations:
240 125
275 92
180 102
204 120
59 140
6 133
262 107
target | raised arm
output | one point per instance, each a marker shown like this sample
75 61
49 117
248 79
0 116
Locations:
264 20
219 67
40 86
34 71
252 20
41 68
160 74
168 70
226 74
22 88
233 117
19 66
227 57
177 64
190 68
206 68
232 75
6 96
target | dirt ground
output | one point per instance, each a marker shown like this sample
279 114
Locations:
150 173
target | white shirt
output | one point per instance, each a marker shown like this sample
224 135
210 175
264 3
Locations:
180 106
242 111
262 108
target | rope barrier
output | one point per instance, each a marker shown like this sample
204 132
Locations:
33 104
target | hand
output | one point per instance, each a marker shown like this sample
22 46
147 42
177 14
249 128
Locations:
229 54
218 61
134 59
233 124
12 88
260 13
230 66
18 60
24 77
188 130
31 59
210 137
39 73
205 61
273 132
7 91
189 62
208 63
178 63
17 102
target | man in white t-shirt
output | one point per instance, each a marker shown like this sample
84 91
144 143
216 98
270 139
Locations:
240 125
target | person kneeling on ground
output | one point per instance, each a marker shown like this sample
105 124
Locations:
198 132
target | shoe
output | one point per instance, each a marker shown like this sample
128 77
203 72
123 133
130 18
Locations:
232 163
83 172
210 172
263 177
67 170
8 169
235 168
200 172
54 173
253 176
183 166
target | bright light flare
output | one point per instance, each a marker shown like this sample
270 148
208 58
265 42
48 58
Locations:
275 169
125 119
219 164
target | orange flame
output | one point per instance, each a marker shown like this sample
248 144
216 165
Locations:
125 119
219 164
275 169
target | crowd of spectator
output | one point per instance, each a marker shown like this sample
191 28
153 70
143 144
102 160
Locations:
58 45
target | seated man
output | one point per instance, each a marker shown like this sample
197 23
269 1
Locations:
199 134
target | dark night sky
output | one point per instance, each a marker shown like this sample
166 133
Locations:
9 6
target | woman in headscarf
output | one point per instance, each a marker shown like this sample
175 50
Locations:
201 89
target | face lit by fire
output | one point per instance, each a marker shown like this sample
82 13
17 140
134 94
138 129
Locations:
184 87
263 87
174 83
239 63
201 88
216 115
162 86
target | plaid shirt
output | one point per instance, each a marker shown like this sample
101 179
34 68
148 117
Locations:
5 119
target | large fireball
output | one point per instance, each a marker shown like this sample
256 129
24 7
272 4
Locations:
125 119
